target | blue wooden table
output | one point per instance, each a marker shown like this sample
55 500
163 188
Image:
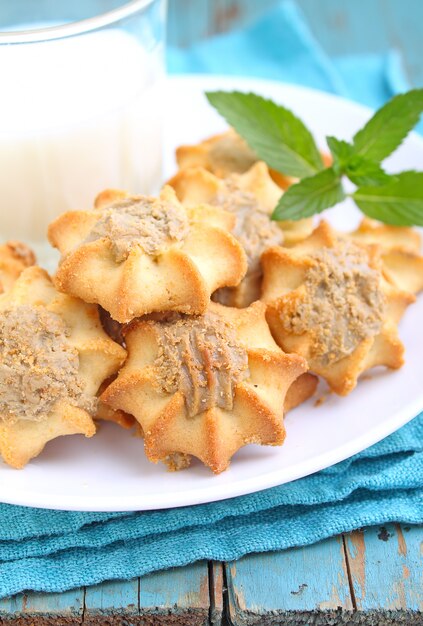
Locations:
372 576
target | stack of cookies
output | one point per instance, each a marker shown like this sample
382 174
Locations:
193 315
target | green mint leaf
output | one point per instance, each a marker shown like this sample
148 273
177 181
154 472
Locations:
365 173
275 134
360 171
385 131
400 202
311 195
341 152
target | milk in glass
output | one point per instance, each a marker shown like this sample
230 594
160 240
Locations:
77 115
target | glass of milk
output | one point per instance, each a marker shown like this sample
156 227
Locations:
80 109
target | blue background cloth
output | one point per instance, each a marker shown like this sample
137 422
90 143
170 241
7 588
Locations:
280 46
54 550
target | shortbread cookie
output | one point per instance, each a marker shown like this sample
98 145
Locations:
227 154
401 258
329 302
224 154
303 388
107 414
15 256
251 197
205 386
54 355
139 254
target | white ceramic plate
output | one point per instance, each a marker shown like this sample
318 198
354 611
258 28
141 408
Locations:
110 472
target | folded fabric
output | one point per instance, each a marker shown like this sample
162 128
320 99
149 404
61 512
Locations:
55 550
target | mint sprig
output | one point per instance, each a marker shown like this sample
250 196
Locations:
282 140
275 134
358 169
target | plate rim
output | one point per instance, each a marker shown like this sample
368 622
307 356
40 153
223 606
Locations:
216 493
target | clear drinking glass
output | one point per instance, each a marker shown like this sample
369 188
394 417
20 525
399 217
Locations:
80 106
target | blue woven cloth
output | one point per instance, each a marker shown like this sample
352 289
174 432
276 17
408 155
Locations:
54 550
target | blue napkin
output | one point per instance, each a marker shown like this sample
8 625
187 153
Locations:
46 550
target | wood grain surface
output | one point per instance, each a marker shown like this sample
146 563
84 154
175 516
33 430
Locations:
189 596
372 577
275 588
386 566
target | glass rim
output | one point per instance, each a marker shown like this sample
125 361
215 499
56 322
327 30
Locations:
78 27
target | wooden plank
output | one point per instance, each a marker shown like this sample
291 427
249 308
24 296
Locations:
193 20
116 600
227 14
186 23
216 593
361 26
403 21
178 596
386 571
9 608
347 27
290 587
190 596
43 609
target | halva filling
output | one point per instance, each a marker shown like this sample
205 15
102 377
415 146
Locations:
254 229
142 221
201 358
38 366
343 303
